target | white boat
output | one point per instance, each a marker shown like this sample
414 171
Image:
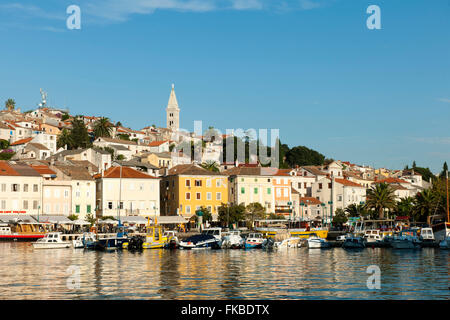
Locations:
200 241
82 241
406 239
354 242
373 236
292 242
316 242
254 240
233 240
216 232
51 240
427 235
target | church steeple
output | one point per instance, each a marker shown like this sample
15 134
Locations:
173 112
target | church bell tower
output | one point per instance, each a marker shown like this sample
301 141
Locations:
173 112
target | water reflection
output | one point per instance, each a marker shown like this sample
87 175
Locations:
223 274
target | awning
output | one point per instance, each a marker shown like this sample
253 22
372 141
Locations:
108 221
52 219
80 222
134 219
170 219
16 218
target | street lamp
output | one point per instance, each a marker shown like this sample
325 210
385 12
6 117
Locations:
302 204
331 210
323 206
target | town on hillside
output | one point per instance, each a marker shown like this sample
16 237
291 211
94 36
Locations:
88 167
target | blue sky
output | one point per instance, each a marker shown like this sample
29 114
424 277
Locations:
310 68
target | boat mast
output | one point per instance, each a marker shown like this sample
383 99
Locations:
446 187
120 190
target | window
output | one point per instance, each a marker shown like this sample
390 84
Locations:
268 180
210 209
188 183
88 208
255 190
208 196
188 209
320 186
299 185
269 191
57 193
66 193
25 204
35 188
3 204
329 185
242 190
278 192
47 193
218 183
121 205
198 183
208 183
198 196
15 187
35 204
77 208
219 196
3 187
188 196
25 188
304 184
110 205
77 193
285 192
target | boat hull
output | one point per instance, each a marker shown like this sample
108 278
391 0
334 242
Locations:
49 245
317 244
20 237
404 244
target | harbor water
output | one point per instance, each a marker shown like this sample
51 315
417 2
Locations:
300 273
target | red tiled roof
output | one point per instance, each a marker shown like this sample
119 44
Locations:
309 200
283 172
127 173
391 180
6 170
23 141
156 143
348 183
43 169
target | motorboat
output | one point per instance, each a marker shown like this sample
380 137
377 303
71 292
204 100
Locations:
406 239
317 242
172 239
51 240
254 241
216 232
200 241
373 236
232 240
427 236
22 231
113 242
354 242
292 242
83 240
154 239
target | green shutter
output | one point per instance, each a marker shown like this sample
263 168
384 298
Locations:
256 190
242 190
77 209
88 208
268 190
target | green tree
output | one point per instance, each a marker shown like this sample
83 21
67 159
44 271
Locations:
65 116
79 134
444 170
102 128
207 216
210 166
274 216
426 203
120 157
73 217
90 218
255 210
232 213
339 217
4 144
64 138
405 207
10 104
7 154
414 165
302 156
123 136
379 198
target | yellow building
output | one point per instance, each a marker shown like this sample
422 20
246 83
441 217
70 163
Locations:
160 160
187 187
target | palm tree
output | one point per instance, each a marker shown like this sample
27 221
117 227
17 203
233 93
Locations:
355 210
64 139
405 207
10 104
426 203
102 128
379 198
210 166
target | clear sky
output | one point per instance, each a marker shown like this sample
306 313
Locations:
310 68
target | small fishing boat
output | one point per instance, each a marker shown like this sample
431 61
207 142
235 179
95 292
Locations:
292 242
406 239
51 240
154 239
200 241
317 242
254 241
354 242
172 239
373 236
83 241
232 240
216 232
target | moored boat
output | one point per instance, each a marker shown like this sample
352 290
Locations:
317 242
200 241
353 241
51 240
232 240
254 241
406 239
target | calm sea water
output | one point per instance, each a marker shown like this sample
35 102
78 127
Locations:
223 274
